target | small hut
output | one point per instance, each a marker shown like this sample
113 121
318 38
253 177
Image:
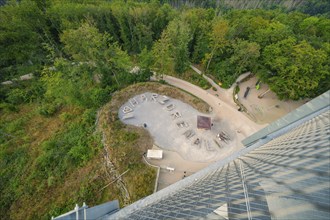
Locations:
155 154
204 122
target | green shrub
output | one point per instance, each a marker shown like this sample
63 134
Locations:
225 73
130 136
7 107
88 117
237 89
69 149
79 154
22 92
15 127
65 116
50 181
17 96
196 79
99 96
49 109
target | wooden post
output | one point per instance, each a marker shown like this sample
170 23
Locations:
264 93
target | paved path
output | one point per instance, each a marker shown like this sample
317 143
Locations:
262 111
225 95
221 107
224 108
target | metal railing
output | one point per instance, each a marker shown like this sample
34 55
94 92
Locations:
84 212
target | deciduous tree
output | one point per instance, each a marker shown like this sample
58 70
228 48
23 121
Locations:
162 55
217 39
296 69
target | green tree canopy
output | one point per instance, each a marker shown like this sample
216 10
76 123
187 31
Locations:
245 56
162 55
87 45
22 28
296 69
218 39
180 36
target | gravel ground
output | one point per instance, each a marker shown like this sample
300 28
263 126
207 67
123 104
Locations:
267 109
156 114
180 152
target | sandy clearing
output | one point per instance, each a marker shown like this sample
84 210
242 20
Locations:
262 111
267 109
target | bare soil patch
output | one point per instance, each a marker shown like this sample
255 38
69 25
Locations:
267 109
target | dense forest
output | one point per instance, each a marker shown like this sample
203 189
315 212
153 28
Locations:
311 7
82 52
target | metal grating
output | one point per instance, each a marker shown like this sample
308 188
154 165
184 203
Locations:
287 178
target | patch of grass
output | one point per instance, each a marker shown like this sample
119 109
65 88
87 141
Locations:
248 77
7 107
127 144
121 97
48 164
194 78
237 89
49 109
161 81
